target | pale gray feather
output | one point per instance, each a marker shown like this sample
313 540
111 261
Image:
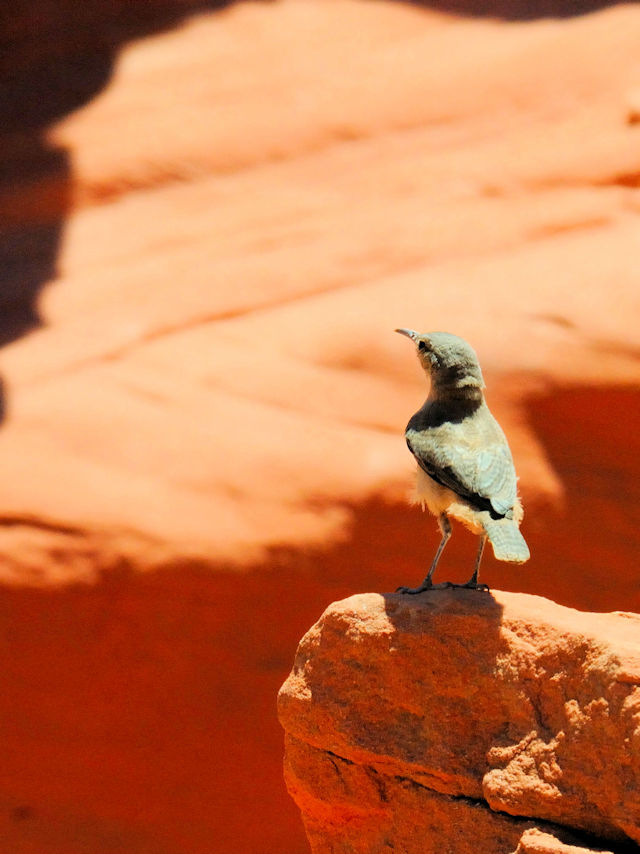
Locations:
470 456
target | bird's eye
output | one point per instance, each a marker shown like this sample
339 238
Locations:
422 346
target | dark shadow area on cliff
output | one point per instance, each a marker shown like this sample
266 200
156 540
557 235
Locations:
55 56
139 713
515 10
592 438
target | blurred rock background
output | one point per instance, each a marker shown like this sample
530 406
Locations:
212 217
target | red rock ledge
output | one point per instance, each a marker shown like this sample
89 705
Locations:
461 722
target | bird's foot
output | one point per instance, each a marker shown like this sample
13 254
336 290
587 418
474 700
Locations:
473 585
423 587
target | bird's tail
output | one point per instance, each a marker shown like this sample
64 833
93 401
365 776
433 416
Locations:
506 539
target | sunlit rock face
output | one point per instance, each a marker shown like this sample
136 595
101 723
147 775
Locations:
457 721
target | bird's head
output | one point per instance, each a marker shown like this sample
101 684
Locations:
449 361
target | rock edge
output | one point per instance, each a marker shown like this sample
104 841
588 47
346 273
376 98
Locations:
420 723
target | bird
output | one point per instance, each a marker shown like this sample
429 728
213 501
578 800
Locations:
465 470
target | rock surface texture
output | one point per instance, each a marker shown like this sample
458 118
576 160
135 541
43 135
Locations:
453 721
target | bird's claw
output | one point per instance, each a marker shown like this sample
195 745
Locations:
444 585
412 591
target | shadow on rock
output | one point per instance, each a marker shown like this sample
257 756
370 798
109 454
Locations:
54 58
592 438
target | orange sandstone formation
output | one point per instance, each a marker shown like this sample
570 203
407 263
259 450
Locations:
251 203
455 721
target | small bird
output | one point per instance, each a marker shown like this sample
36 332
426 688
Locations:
465 469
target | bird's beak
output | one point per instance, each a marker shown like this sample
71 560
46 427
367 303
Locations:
408 332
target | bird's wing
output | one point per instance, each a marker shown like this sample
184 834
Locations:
478 468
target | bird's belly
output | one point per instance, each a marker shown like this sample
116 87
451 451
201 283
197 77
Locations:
440 499
431 494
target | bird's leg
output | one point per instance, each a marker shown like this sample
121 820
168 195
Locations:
473 582
427 584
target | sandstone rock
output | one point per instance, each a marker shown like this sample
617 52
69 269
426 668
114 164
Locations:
471 708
